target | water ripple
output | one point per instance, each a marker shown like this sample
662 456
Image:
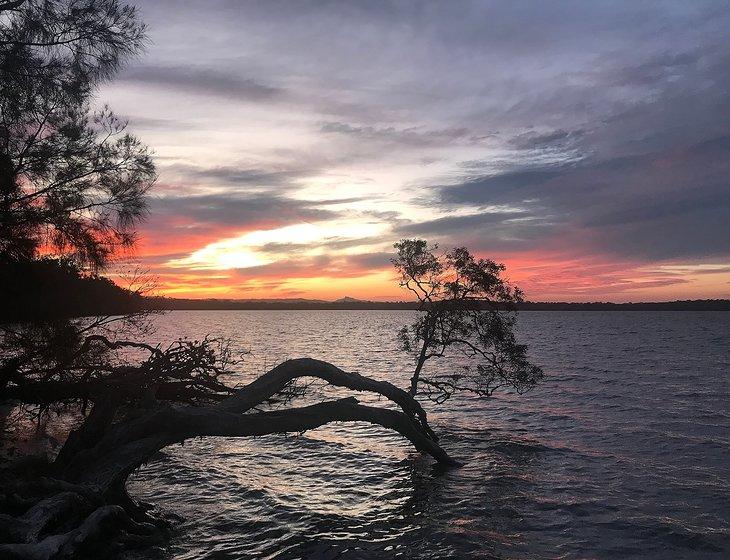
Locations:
621 453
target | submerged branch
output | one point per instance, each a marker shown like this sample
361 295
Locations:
128 444
276 379
118 436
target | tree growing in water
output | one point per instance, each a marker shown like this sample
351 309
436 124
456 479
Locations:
465 306
76 184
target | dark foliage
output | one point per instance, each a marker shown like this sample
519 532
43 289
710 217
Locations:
464 304
72 181
45 289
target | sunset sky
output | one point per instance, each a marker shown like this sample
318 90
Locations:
584 144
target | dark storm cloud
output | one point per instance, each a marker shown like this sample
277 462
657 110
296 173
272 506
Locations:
457 224
662 205
204 81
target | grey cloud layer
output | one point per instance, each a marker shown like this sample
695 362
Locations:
602 125
200 80
242 210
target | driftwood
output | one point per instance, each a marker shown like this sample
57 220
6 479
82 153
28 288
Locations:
82 508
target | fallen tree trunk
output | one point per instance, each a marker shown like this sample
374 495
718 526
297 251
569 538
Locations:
84 509
109 464
272 382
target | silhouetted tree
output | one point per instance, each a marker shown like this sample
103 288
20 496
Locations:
71 180
464 307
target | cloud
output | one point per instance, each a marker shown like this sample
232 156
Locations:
371 261
647 180
240 178
233 175
200 81
594 134
555 139
513 186
457 224
318 266
243 210
152 123
414 136
661 205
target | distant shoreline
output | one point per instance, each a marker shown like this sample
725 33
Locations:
174 304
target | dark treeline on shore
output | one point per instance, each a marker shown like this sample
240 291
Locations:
50 288
348 303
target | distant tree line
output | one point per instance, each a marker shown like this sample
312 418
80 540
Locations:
42 289
165 303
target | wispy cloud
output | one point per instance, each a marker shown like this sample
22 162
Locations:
200 80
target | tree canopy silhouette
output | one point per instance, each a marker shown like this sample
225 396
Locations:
464 307
72 181
54 289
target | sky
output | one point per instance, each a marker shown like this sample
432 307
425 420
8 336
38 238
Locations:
583 144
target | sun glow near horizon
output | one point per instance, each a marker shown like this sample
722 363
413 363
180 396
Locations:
263 247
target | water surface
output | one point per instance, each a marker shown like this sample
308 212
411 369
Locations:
621 453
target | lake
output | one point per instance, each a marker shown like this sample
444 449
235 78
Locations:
622 452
